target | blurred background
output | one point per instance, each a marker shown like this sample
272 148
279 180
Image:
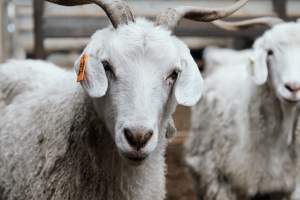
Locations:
35 29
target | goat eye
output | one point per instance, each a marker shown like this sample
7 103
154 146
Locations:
108 69
173 77
106 65
270 52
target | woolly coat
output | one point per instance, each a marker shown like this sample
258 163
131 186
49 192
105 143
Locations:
239 146
53 146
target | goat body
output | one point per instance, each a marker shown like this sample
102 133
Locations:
239 141
243 143
61 151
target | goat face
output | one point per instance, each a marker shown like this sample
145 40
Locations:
277 53
136 75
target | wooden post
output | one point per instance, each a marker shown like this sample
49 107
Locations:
38 14
2 30
280 7
10 46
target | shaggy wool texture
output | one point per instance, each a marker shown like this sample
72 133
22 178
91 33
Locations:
53 146
244 142
59 141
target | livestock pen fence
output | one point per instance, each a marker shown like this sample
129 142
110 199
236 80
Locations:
52 21
43 28
9 47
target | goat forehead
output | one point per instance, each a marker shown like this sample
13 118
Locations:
143 29
283 35
132 54
142 73
143 41
292 55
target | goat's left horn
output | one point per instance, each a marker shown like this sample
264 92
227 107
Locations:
118 11
171 17
245 24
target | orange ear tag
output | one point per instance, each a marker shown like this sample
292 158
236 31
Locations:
81 73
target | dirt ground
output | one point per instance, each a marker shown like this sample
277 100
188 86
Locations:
179 185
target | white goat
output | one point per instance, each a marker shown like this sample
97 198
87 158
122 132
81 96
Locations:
216 57
14 84
107 141
243 142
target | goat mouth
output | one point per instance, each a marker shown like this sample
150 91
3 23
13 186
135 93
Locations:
136 157
291 100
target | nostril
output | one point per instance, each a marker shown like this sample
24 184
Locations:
129 137
137 138
147 136
292 87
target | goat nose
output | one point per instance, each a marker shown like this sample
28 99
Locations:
292 86
137 138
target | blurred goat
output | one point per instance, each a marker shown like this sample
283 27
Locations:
243 141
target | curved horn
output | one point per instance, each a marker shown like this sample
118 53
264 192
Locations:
118 11
239 25
171 17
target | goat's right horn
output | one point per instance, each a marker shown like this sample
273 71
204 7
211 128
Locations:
118 11
245 24
171 17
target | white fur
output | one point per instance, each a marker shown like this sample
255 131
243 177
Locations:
216 57
58 142
16 82
243 140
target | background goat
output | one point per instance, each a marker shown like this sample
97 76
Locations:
243 140
216 57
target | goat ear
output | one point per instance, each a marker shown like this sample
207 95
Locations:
258 66
95 81
189 86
